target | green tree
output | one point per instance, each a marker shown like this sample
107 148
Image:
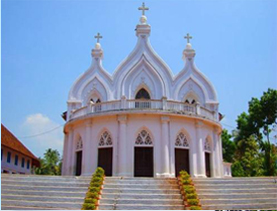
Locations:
228 146
50 164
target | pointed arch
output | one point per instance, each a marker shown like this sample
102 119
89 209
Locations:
144 137
182 139
105 139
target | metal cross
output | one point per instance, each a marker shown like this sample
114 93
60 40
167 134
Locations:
188 37
98 36
143 8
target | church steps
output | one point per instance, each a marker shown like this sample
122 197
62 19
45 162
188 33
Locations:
141 182
44 198
142 186
45 188
237 196
43 193
238 201
45 178
141 207
236 191
6 207
142 201
234 186
141 196
141 191
46 204
40 183
264 206
153 179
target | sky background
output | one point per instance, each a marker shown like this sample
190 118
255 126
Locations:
46 45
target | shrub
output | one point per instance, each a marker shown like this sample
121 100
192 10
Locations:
191 196
87 206
94 189
184 177
99 170
193 201
90 201
195 208
92 195
183 173
187 182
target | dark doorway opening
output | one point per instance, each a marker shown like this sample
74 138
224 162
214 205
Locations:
78 163
181 160
142 95
105 160
144 162
208 164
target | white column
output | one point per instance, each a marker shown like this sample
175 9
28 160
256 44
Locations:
164 153
122 147
69 162
93 150
216 157
200 152
65 146
220 160
193 157
86 149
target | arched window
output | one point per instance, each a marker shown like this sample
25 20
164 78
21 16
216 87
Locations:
144 138
143 94
79 145
207 146
105 140
181 141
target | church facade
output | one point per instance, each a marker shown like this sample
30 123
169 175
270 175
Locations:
142 120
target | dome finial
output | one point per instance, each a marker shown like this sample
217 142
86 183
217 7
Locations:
98 37
143 18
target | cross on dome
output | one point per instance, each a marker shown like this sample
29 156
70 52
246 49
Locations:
98 36
143 8
188 37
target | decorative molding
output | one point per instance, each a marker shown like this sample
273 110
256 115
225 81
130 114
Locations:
165 119
144 139
105 140
181 141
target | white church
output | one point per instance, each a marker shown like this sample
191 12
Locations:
143 121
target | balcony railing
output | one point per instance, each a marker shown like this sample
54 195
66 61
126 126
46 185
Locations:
165 105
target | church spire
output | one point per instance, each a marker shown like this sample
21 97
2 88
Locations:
188 53
143 29
97 52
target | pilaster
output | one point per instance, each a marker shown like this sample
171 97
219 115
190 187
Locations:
122 147
200 152
86 149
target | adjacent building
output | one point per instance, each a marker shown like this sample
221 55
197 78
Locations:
15 157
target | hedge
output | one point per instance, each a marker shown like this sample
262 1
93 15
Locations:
94 190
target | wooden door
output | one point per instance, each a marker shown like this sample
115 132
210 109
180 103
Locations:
105 160
181 160
144 162
208 164
78 163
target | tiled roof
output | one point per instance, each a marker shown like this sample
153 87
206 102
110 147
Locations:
10 141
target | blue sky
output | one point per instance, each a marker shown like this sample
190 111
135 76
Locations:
46 45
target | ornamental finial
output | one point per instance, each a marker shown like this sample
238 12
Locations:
143 8
188 37
98 36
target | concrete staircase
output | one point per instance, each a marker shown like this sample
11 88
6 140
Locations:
237 193
22 192
140 194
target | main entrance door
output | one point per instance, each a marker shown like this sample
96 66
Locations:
208 164
105 160
181 160
78 163
143 162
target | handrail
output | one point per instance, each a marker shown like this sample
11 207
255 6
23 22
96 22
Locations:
144 104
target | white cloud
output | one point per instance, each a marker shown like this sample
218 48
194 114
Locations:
36 124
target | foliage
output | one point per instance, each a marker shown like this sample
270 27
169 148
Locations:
188 190
228 147
50 164
255 156
195 208
93 194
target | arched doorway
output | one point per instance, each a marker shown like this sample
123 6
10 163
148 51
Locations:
143 155
142 95
207 149
105 153
181 153
79 155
